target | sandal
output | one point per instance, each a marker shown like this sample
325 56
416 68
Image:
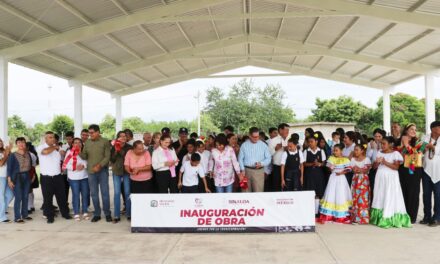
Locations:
86 216
76 217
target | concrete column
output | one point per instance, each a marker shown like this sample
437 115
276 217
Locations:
118 113
4 100
387 110
77 107
429 101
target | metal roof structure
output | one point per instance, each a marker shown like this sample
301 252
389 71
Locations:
127 46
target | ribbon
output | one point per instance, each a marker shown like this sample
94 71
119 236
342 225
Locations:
73 154
117 144
170 158
244 183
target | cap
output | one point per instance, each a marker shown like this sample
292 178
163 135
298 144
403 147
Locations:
165 130
183 130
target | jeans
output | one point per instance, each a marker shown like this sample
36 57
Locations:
428 189
117 180
224 189
97 181
79 188
6 196
21 192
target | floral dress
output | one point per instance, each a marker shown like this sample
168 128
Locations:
224 165
360 188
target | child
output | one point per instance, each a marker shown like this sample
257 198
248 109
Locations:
335 206
190 172
191 147
388 209
292 169
205 156
360 185
313 171
336 139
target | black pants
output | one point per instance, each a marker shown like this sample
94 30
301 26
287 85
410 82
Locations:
165 182
190 189
141 186
410 184
293 181
210 182
51 186
123 192
349 177
372 178
66 187
275 183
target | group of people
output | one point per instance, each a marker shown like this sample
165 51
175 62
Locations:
356 179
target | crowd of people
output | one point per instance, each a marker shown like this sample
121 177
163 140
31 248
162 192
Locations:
356 179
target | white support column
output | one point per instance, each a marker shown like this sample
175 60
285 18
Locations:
429 101
77 107
387 110
118 105
4 100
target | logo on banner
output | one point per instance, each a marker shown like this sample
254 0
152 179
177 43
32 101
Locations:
153 203
199 202
284 201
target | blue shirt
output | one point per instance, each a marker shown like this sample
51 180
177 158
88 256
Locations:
251 153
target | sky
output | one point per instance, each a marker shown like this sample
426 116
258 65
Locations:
37 97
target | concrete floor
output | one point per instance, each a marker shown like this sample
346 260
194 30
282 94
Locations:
68 241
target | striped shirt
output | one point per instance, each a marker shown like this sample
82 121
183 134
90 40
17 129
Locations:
251 153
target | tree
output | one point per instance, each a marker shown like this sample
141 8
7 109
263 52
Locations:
437 109
16 127
247 105
108 126
61 124
341 109
35 133
405 109
136 124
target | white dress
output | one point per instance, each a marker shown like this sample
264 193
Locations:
337 200
388 208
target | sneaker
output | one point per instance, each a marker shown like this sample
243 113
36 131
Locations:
67 217
77 217
108 218
116 220
50 221
7 221
19 221
28 218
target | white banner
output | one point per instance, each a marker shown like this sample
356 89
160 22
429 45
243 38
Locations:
223 212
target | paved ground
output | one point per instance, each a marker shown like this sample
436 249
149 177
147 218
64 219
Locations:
67 241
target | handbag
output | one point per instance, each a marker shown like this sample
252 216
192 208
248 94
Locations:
414 159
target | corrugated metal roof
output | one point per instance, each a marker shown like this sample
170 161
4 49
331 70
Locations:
117 45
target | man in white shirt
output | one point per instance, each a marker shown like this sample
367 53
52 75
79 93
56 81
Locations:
52 183
276 147
431 177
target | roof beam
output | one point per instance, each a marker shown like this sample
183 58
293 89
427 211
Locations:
105 27
381 12
86 78
88 21
181 78
322 75
324 51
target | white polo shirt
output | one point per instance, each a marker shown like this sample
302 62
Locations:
276 155
50 165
